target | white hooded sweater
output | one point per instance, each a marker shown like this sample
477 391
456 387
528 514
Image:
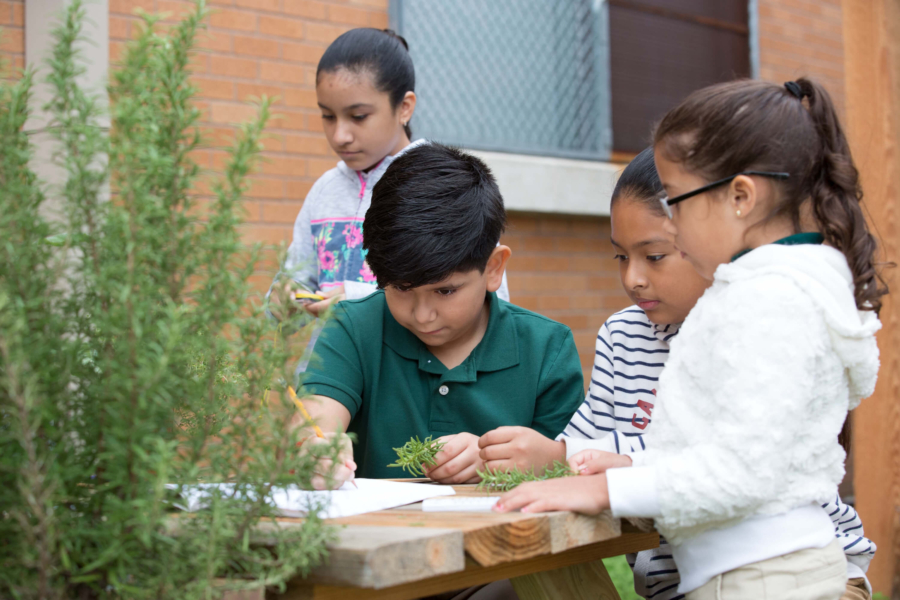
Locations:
744 440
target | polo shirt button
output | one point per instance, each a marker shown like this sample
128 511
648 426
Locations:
444 390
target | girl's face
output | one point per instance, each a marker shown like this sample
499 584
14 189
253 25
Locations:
653 272
707 230
359 122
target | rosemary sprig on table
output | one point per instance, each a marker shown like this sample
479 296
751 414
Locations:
415 454
503 481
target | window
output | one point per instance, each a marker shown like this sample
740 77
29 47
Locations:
567 78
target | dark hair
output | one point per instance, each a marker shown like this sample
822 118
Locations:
640 182
436 211
755 125
380 52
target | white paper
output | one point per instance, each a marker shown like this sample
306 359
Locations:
371 495
460 504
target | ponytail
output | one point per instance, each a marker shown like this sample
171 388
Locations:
754 125
836 196
382 53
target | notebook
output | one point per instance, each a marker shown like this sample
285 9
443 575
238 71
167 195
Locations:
460 504
371 495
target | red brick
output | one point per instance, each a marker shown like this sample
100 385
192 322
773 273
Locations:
281 27
283 165
351 16
18 14
553 303
233 67
379 20
218 41
382 4
574 322
267 234
249 91
174 9
13 40
305 8
522 224
552 226
254 46
239 20
301 52
298 190
232 113
598 282
289 119
281 72
539 243
116 51
318 166
280 212
269 5
301 98
220 89
128 7
266 187
314 123
119 28
319 32
306 144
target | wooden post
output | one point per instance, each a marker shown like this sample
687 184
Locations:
872 71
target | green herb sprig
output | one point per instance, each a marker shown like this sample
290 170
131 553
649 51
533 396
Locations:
415 454
503 481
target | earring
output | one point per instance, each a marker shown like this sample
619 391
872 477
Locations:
739 213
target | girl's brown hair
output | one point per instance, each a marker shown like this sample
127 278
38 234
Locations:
755 125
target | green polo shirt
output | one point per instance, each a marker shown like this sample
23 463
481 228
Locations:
525 371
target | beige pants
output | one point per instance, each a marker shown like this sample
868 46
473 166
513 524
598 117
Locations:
814 574
856 590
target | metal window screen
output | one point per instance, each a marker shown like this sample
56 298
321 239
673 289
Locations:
524 76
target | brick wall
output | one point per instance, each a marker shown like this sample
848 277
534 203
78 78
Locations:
12 34
803 37
561 267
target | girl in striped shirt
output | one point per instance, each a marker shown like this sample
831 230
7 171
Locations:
631 351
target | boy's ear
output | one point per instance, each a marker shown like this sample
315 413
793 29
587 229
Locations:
495 267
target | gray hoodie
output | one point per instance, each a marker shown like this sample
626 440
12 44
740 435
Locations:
327 247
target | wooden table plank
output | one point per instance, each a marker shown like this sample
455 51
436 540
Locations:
587 581
476 574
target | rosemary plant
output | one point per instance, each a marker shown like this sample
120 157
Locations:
415 454
133 352
503 481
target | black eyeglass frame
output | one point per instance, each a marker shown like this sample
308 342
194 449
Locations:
667 203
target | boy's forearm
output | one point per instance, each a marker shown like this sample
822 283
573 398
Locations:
330 415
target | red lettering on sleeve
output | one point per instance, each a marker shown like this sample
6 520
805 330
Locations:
646 407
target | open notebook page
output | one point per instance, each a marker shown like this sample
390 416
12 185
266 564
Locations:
370 495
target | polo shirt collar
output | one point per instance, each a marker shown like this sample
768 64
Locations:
498 349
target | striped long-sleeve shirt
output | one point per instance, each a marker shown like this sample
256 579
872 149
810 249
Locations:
630 354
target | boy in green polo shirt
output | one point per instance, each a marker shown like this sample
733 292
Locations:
434 351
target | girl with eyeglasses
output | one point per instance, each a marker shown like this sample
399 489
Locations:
764 202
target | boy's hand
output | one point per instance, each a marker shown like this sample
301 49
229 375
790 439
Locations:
593 462
588 495
328 475
458 460
331 295
508 447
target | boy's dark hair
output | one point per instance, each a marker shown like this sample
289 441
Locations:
756 125
380 52
436 211
640 182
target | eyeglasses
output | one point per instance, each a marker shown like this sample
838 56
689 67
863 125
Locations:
667 203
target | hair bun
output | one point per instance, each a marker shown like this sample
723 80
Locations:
397 36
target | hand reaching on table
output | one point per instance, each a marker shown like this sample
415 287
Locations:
458 460
594 462
584 494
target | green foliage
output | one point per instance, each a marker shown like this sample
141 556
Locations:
132 351
622 577
503 481
415 454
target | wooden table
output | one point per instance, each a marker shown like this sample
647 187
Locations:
406 553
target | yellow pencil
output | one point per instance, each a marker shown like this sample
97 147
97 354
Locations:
306 416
